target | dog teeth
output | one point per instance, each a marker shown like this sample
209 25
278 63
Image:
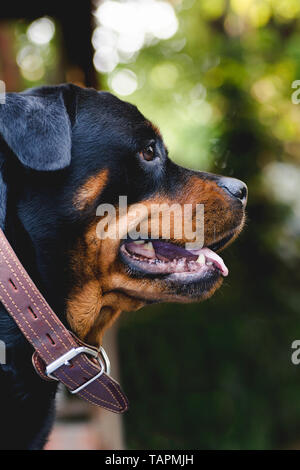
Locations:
209 263
201 259
138 242
148 246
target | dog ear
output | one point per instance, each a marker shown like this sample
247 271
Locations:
37 127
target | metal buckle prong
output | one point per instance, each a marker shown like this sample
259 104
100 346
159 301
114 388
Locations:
65 358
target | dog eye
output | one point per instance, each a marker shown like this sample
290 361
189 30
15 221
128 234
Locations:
148 153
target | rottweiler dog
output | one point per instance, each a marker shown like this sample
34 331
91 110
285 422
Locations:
64 151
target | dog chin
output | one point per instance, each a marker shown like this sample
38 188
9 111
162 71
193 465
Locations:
176 290
190 289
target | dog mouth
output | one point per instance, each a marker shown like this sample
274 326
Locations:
160 258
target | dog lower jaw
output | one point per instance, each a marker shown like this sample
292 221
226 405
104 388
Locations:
187 289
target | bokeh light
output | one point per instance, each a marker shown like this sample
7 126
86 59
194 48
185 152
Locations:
36 53
164 75
124 82
105 59
31 63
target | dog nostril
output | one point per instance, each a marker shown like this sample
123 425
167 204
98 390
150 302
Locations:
235 187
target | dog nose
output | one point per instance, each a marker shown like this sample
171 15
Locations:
235 187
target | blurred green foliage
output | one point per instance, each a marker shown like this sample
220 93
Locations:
37 57
218 375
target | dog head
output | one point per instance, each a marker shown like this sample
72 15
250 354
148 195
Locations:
108 221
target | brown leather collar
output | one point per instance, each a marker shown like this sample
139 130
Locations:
59 354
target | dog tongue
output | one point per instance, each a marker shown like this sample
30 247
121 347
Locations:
170 251
216 259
